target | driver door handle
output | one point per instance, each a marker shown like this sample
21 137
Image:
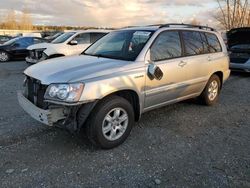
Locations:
182 63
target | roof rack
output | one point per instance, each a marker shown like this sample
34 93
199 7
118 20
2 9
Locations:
187 26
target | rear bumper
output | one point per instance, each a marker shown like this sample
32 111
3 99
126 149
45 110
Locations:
240 67
226 75
47 117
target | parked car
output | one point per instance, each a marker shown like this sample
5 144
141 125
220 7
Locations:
69 43
17 48
4 38
53 37
239 49
124 74
33 34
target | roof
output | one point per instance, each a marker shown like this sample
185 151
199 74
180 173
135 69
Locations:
90 30
170 25
144 28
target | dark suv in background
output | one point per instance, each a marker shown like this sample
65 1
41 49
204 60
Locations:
239 49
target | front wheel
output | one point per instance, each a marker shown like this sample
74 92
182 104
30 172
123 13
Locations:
110 123
4 56
211 92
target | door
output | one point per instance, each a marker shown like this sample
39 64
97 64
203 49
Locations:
197 59
83 41
19 48
166 53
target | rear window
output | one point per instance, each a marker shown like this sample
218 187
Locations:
213 43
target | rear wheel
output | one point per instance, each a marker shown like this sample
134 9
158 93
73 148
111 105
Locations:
4 56
210 94
110 123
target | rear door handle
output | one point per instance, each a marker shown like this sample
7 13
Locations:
182 63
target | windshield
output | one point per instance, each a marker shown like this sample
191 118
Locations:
124 45
11 41
62 38
57 35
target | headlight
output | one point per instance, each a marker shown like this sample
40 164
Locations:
44 56
64 92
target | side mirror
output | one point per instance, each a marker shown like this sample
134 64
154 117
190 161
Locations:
154 72
73 42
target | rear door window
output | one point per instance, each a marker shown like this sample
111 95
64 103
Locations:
24 42
193 43
213 43
166 46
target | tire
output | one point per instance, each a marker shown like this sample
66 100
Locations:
4 56
102 130
210 94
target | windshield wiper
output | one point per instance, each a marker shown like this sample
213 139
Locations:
96 55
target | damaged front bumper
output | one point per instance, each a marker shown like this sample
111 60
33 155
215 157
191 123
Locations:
60 115
47 117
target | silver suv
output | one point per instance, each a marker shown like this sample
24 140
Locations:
124 74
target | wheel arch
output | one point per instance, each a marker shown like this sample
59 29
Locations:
132 97
220 75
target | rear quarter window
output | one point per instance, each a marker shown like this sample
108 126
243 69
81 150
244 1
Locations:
213 43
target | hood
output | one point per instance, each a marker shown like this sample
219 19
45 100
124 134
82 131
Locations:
73 69
238 36
40 45
2 46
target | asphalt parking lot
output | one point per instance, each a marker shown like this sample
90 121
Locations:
181 145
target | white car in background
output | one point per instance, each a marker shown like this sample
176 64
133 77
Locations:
70 43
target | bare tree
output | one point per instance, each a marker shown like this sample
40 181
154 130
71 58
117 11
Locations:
233 13
25 21
11 22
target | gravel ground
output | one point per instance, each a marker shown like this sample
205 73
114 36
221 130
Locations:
181 145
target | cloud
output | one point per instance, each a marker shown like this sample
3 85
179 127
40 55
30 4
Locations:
109 13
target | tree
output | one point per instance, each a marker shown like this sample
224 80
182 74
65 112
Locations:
233 13
25 21
11 22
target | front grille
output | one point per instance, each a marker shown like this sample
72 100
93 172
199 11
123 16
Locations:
36 54
32 54
35 92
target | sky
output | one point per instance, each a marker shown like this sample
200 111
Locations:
112 13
